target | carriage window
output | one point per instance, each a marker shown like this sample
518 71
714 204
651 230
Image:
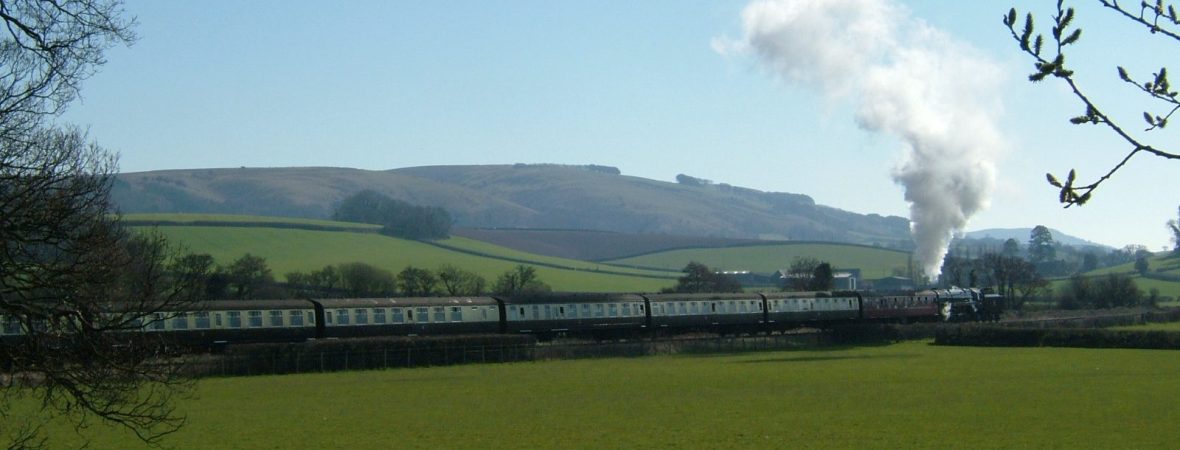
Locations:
397 316
276 318
217 320
742 306
456 314
342 316
614 310
484 313
683 308
573 312
586 310
423 315
255 318
548 312
598 311
640 309
202 320
295 317
695 308
158 321
440 314
536 312
11 325
235 319
379 315
627 309
180 321
521 312
362 316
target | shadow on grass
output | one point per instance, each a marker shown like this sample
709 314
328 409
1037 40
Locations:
818 358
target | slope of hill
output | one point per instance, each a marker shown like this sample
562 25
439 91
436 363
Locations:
768 258
289 249
1021 235
589 245
515 196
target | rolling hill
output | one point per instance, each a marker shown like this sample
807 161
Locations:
515 196
292 246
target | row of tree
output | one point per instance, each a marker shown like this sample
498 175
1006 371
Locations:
250 277
397 218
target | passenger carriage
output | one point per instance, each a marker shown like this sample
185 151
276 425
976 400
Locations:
724 313
595 315
354 317
922 306
790 309
237 321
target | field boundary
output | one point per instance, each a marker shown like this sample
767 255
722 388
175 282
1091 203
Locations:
670 275
752 244
402 352
249 224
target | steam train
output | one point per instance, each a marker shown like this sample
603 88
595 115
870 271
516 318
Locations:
550 315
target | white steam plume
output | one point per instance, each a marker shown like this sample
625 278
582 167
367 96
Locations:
938 95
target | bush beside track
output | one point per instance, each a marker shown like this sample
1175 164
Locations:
331 355
999 336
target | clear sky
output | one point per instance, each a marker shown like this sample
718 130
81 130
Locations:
636 85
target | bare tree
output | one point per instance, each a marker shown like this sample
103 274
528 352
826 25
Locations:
456 281
1160 20
75 287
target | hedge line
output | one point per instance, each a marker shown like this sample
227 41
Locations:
997 336
330 355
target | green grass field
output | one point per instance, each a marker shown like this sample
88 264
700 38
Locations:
873 262
909 395
288 250
497 251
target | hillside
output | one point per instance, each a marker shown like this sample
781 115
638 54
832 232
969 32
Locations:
514 196
1021 235
768 258
288 246
589 245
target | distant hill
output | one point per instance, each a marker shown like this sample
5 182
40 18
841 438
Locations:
515 196
1022 234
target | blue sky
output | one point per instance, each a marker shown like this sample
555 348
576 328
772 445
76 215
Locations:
637 85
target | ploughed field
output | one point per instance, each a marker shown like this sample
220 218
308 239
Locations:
908 395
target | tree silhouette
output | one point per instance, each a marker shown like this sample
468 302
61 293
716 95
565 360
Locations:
1160 20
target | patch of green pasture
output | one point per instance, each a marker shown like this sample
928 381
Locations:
289 250
473 245
1163 262
1166 288
873 262
192 218
910 395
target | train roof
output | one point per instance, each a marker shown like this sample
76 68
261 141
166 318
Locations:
702 296
405 302
567 297
244 305
809 294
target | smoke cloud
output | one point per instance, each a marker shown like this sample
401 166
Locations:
939 96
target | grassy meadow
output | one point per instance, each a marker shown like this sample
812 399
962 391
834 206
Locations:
909 395
873 262
288 250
